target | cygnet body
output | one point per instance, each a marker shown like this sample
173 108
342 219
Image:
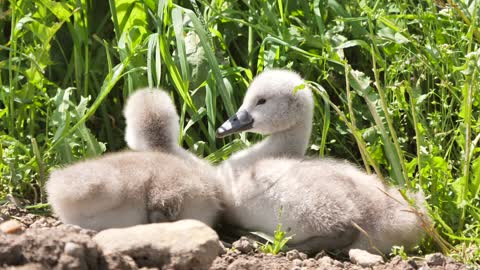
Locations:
321 201
129 188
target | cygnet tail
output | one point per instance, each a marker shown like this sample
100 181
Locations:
152 121
405 224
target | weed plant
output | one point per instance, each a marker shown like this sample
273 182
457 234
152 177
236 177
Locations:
397 83
273 245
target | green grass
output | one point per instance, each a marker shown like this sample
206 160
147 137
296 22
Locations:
397 86
273 245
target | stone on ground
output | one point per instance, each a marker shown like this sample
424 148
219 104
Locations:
244 245
435 259
59 247
11 226
185 244
364 258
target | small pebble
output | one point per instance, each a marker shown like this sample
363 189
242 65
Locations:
303 256
244 245
321 254
364 258
230 259
435 259
11 226
297 262
338 263
74 249
293 254
310 263
413 264
325 260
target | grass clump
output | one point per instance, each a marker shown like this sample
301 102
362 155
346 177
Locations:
275 244
398 86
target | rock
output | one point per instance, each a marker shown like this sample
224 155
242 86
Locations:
185 244
398 263
77 229
297 262
74 249
11 226
321 254
44 222
325 260
46 246
116 261
310 263
435 259
10 251
364 258
244 245
293 254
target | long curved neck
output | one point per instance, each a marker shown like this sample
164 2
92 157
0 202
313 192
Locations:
292 142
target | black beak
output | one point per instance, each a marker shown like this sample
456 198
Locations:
241 121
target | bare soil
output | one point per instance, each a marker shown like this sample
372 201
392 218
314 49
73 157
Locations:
43 242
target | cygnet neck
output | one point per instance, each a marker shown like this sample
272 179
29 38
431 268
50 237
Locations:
291 142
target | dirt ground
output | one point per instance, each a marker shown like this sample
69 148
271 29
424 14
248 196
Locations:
43 242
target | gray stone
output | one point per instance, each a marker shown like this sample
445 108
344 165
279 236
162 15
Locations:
185 244
325 260
74 249
310 263
364 258
293 254
297 262
12 226
46 246
244 245
435 259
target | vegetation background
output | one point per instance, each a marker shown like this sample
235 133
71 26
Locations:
397 83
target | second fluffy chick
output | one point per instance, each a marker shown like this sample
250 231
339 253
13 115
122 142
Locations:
129 188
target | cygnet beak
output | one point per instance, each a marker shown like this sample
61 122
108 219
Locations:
241 121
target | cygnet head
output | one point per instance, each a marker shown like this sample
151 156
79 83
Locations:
276 100
152 121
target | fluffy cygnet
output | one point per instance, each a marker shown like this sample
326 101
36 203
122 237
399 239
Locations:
129 188
321 201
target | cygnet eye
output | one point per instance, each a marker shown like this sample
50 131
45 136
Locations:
261 101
